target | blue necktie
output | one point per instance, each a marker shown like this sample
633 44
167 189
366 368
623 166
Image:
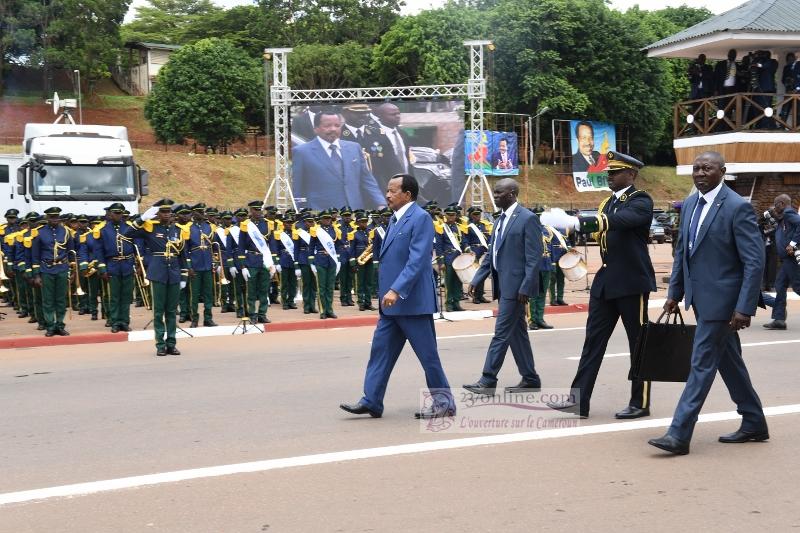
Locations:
498 238
695 221
337 160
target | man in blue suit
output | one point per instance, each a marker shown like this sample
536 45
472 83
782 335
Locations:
407 302
328 171
717 270
513 260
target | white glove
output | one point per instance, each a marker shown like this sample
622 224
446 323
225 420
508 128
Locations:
150 214
246 274
233 271
219 270
297 273
797 256
272 270
183 285
314 269
278 268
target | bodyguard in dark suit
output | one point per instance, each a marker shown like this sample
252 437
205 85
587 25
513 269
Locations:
512 260
717 270
787 238
621 287
407 299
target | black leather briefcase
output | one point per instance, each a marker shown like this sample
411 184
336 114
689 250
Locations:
663 351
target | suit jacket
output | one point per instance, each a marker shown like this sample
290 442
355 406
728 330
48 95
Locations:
518 257
497 157
627 269
788 230
302 126
579 163
722 274
385 163
721 74
405 259
315 178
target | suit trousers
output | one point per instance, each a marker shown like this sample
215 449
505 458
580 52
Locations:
388 341
345 284
309 289
716 347
119 299
788 276
202 284
288 287
326 279
54 299
603 317
165 306
510 330
257 289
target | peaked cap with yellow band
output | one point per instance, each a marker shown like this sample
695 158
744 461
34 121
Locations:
620 161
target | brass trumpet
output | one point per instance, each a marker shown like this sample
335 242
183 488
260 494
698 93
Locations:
73 274
218 278
365 256
140 275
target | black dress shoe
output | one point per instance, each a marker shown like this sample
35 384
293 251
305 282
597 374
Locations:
448 309
561 302
543 325
776 324
525 386
670 444
83 312
306 312
62 332
285 307
40 327
632 412
108 324
292 306
568 407
49 334
264 320
457 307
533 326
239 314
480 388
114 329
24 315
182 319
739 436
332 315
371 308
161 352
435 412
124 327
362 307
172 350
359 409
209 323
32 319
94 316
314 309
193 324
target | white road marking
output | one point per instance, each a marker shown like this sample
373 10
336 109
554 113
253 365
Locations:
744 345
93 487
554 330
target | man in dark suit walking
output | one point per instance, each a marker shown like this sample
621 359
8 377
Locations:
787 238
717 270
407 297
622 286
513 260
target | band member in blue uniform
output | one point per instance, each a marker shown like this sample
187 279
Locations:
50 256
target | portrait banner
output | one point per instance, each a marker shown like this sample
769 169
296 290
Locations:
590 142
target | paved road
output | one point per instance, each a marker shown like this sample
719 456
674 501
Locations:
100 412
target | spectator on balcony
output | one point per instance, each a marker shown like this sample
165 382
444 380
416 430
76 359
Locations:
791 83
701 78
727 75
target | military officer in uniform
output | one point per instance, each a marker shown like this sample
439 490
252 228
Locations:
255 271
273 225
115 255
286 246
346 274
201 275
452 244
479 233
546 268
10 227
362 238
50 251
167 269
621 287
183 219
559 248
325 261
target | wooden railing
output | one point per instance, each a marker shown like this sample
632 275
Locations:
737 112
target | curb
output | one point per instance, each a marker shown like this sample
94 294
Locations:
332 323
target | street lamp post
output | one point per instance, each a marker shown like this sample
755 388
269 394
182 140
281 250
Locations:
80 106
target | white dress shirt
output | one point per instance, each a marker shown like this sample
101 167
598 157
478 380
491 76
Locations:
402 211
398 146
327 146
499 235
710 196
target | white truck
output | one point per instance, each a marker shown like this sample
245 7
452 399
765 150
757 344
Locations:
79 168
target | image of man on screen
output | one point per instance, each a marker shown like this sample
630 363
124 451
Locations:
586 156
502 157
329 171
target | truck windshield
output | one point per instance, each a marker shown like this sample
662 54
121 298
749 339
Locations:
84 182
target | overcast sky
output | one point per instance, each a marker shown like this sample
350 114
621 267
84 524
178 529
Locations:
414 6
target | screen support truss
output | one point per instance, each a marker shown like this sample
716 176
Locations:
282 97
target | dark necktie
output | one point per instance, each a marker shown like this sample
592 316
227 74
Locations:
695 221
611 202
498 237
337 160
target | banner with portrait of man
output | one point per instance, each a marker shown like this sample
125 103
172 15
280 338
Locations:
495 153
590 142
345 154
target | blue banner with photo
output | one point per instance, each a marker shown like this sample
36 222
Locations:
495 153
591 141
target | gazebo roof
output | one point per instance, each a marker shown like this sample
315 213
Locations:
757 24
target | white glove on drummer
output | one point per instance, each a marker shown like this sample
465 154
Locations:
297 273
183 285
150 214
278 268
233 271
246 274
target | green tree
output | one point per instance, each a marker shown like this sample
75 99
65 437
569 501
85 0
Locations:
165 21
324 66
206 92
428 48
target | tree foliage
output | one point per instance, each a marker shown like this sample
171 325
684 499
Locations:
324 66
166 21
206 92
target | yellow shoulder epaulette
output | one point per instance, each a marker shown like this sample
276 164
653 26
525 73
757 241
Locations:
213 228
34 232
312 231
353 224
279 226
277 234
27 241
371 234
96 232
438 226
82 238
295 235
148 225
351 235
338 233
463 227
243 226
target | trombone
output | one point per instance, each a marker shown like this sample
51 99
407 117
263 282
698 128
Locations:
72 279
142 282
218 277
